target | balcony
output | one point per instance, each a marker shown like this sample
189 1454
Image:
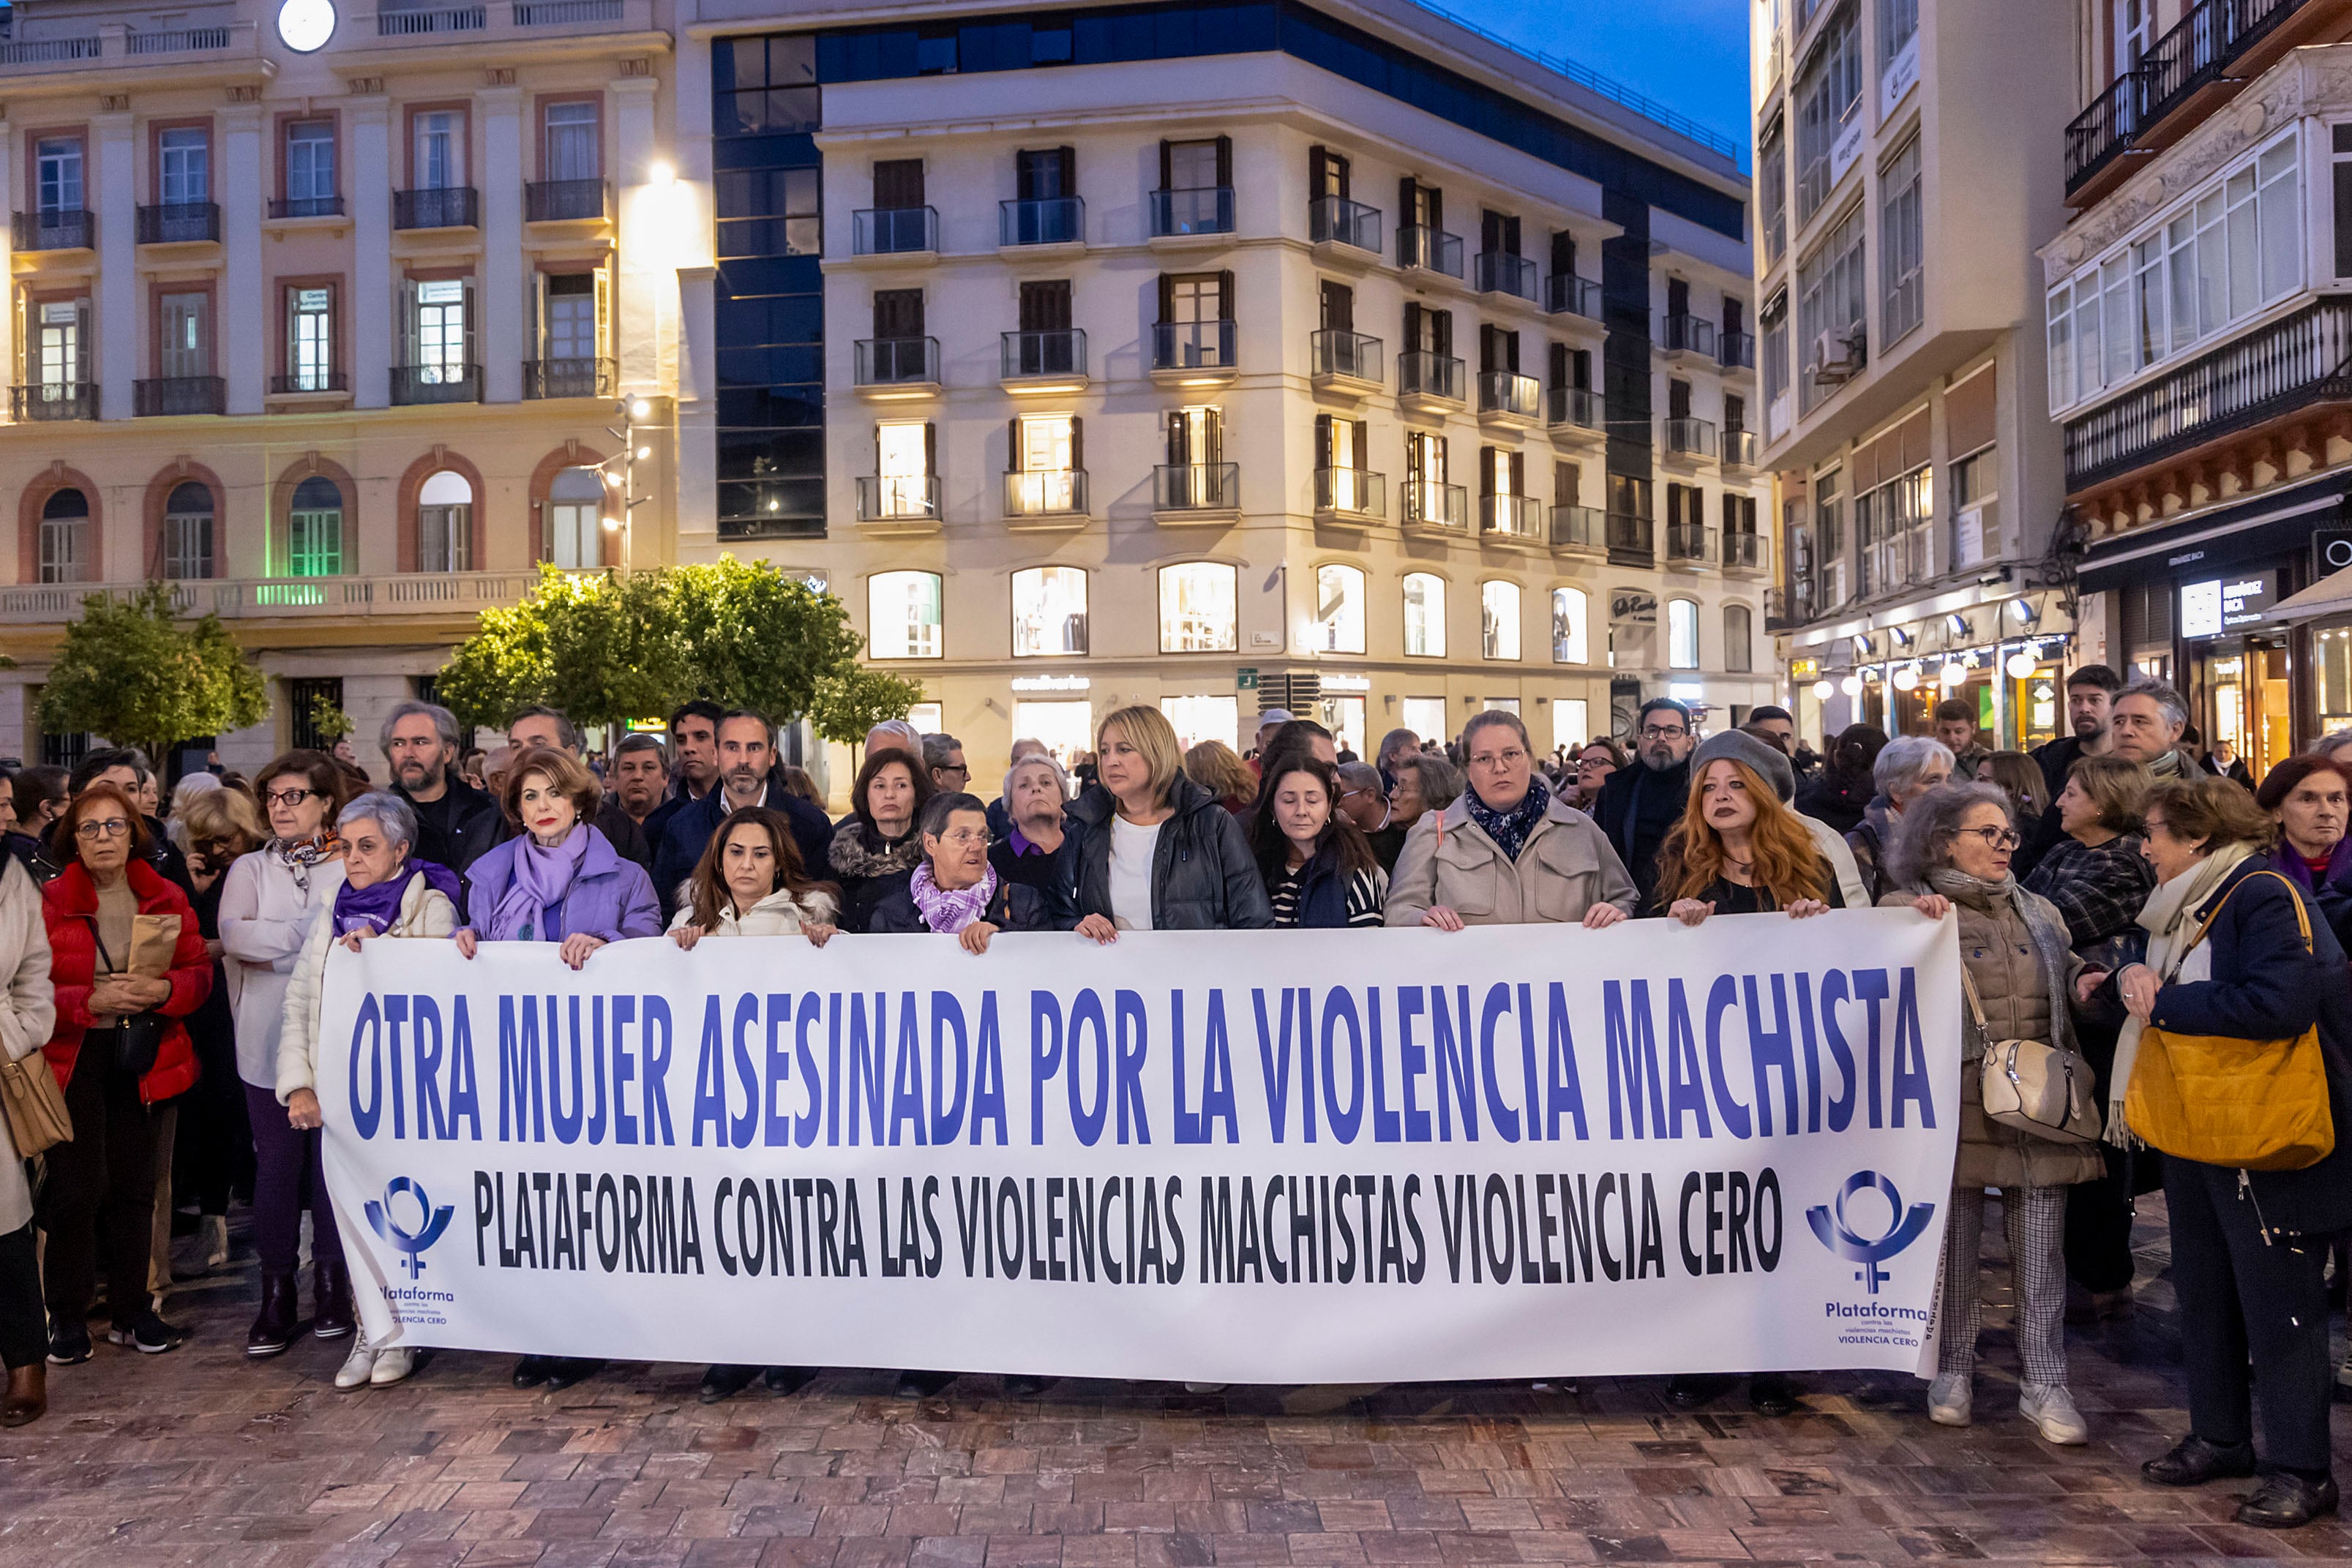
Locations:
53 400
58 228
900 234
1041 221
178 394
1686 335
447 207
309 383
1343 231
1738 448
1347 363
1508 398
1575 415
888 368
50 51
1516 521
1423 248
566 202
427 22
1196 492
180 222
898 503
1434 508
1689 441
567 378
1193 353
413 384
1735 350
1351 496
1565 294
1691 544
1786 609
1039 498
458 596
1629 536
1045 361
561 12
1430 382
282 208
1743 552
1498 272
1197 212
2289 366
1577 529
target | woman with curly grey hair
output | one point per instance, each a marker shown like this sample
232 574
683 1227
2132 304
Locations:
1952 856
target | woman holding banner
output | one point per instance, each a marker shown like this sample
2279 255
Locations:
954 890
1320 873
384 893
561 882
2022 980
1159 852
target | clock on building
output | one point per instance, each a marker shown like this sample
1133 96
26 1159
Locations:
304 26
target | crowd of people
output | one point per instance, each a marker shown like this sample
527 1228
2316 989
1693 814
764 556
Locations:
2112 881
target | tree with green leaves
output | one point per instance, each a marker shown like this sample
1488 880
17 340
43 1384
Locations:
856 697
753 637
132 672
596 644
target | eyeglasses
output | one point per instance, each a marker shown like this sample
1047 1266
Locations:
1510 758
1996 838
286 797
961 836
106 828
1652 732
958 769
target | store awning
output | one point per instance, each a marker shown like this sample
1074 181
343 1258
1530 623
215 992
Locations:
2331 595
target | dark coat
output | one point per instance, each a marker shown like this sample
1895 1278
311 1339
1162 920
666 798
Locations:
624 833
70 906
688 831
1054 876
2332 893
1014 908
2265 986
1637 809
1203 877
1323 892
477 826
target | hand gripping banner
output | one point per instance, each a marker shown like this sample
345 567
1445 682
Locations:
1234 1156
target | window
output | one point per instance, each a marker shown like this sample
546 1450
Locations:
1197 608
309 339
902 468
314 544
1773 364
1199 719
570 312
902 610
1571 640
1339 610
770 212
183 166
1829 306
444 523
897 184
1499 619
184 336
304 698
575 520
440 336
57 164
1426 717
571 150
187 542
1682 635
438 162
1194 308
1772 190
763 85
1899 24
1570 718
1425 616
1737 622
1829 87
1905 300
310 167
1344 484
2340 144
65 537
1049 611
1048 455
1196 165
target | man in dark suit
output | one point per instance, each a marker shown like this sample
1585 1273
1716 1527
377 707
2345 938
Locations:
748 776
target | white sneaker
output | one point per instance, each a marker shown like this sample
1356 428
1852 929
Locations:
2052 1410
1949 1398
392 1364
358 1366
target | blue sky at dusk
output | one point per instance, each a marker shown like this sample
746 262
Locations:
1691 54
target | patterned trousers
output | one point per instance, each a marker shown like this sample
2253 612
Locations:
2035 1219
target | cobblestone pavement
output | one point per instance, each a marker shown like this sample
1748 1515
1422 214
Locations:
198 1457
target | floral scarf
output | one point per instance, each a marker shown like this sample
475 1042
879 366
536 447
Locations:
299 855
1509 829
949 910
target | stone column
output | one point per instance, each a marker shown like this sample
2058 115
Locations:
112 189
502 332
368 203
244 344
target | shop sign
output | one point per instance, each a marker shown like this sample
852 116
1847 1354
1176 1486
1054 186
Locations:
2217 605
1804 669
2331 551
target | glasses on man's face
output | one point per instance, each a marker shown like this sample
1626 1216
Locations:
1655 732
103 828
958 769
964 837
1996 838
287 797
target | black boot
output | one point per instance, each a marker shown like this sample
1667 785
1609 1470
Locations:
563 1371
789 1379
330 1299
532 1370
724 1381
273 1325
2285 1501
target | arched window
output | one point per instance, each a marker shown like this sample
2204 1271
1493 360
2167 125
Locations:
314 533
1499 619
575 520
902 611
1049 612
65 537
1570 639
444 523
187 542
1339 610
1682 635
1737 620
1198 610
1424 615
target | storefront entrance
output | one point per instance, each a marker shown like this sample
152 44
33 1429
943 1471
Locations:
2242 693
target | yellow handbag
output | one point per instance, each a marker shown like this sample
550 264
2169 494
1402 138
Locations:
2221 1099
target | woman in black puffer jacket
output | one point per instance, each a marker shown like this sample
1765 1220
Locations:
1158 852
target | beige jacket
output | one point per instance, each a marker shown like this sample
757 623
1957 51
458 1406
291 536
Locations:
425 911
778 914
28 1016
1565 868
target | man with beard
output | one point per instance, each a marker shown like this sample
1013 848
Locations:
1638 805
455 823
2090 697
748 776
693 767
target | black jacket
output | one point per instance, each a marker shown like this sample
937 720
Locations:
476 825
1203 877
623 832
688 831
1054 876
1015 907
1636 828
2056 757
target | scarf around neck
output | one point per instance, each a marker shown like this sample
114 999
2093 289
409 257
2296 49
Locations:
1509 829
2049 945
542 877
861 850
373 909
299 855
2169 917
949 910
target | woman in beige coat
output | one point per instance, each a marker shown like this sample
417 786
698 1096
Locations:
1951 856
28 1017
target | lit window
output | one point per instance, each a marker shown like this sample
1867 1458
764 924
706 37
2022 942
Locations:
902 611
1682 635
1198 718
1570 642
575 520
1197 613
1424 615
314 538
444 523
1339 610
1499 619
1049 611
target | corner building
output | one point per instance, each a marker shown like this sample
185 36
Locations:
1223 357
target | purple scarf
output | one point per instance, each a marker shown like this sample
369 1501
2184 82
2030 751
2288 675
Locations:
541 878
373 909
949 911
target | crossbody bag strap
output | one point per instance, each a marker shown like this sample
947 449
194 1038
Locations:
2302 920
1976 1004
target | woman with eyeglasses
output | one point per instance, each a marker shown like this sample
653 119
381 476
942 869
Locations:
1596 759
2021 981
267 902
953 891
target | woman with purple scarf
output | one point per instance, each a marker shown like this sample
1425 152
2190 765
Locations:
561 882
954 891
384 893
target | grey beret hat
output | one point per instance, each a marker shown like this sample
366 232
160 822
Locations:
1734 746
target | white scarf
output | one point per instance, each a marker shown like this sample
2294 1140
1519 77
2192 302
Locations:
2170 918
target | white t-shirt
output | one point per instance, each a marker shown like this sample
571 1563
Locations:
1131 849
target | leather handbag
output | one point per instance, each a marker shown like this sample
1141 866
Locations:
2044 1089
34 1104
2222 1100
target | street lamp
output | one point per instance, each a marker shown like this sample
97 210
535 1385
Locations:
620 473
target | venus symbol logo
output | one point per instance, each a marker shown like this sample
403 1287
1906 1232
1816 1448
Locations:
1829 1223
411 1245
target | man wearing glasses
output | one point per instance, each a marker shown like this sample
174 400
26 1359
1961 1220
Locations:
943 755
1639 804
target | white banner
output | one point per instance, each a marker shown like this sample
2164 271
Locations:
1247 1157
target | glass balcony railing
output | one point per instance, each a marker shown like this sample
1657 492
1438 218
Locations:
1576 408
1431 249
897 497
1510 395
894 231
1196 487
1351 356
1422 374
1202 210
1575 528
896 362
1500 273
1045 492
1351 492
1042 220
1565 294
1335 220
1512 518
1690 438
1059 353
1192 346
1433 504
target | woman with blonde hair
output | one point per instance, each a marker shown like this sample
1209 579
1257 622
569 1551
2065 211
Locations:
1160 852
1219 769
